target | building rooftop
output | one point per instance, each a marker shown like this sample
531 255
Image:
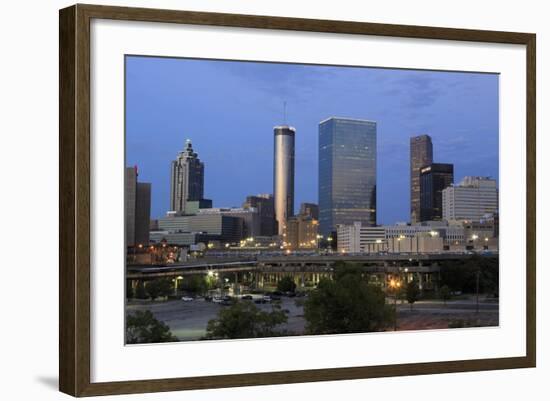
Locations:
347 119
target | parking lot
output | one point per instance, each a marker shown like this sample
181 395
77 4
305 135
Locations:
188 320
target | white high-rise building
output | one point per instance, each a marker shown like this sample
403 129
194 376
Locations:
471 199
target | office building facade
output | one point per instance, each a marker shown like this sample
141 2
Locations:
186 179
301 233
434 178
471 199
421 154
137 204
215 226
309 209
358 238
283 174
265 205
251 224
347 173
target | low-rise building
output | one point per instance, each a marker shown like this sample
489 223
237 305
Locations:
420 243
471 199
228 229
301 233
251 222
357 238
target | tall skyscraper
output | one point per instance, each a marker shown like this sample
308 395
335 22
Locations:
283 174
265 205
137 199
472 199
434 178
421 155
347 173
186 179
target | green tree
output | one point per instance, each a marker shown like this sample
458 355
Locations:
158 288
243 319
347 304
286 284
140 290
142 327
445 294
412 292
195 284
129 290
461 275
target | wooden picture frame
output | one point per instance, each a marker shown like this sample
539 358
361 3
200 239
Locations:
74 204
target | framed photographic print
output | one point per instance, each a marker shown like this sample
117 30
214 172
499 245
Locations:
250 200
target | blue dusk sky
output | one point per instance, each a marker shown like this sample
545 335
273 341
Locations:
229 108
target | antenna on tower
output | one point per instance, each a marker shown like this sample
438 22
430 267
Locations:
284 112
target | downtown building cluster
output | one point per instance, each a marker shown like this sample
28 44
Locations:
443 216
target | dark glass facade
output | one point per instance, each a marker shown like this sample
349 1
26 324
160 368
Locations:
421 155
266 209
434 178
186 179
309 209
137 205
347 173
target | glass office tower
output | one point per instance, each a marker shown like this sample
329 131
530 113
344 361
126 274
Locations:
186 179
421 155
434 178
347 173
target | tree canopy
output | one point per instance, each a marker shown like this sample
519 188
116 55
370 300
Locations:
346 304
286 284
445 293
412 292
460 275
243 319
159 287
142 327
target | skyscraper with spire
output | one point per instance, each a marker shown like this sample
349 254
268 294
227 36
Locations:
186 179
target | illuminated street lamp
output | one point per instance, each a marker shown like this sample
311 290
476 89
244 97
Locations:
395 285
176 284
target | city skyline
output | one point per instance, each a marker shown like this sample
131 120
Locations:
237 156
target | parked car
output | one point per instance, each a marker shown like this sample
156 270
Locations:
186 299
263 300
217 300
247 297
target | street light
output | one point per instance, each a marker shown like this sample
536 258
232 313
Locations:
395 285
176 284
